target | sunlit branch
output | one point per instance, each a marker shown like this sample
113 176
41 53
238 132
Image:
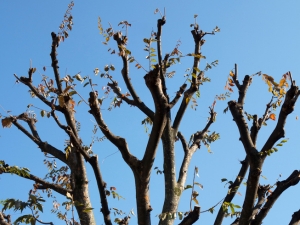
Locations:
44 146
28 83
41 222
287 108
234 187
292 180
42 184
31 123
197 35
119 142
160 23
183 141
189 151
192 217
116 90
178 95
53 54
125 73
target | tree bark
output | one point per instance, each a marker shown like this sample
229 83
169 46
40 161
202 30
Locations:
295 218
79 183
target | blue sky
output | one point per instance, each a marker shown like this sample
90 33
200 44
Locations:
257 35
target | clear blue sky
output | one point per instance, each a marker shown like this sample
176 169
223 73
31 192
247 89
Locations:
257 35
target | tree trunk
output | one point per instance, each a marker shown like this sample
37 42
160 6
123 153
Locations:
142 198
79 184
172 191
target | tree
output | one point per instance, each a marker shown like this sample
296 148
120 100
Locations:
74 185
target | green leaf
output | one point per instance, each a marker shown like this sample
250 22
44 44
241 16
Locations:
40 207
188 186
223 179
279 144
231 208
237 206
211 210
197 69
43 113
86 84
263 177
180 215
72 93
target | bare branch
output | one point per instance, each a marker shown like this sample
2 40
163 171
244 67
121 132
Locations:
116 90
160 23
287 108
237 113
295 218
4 220
183 141
292 180
119 142
233 189
28 83
197 35
178 95
125 73
53 54
192 217
44 146
42 184
101 189
189 151
154 84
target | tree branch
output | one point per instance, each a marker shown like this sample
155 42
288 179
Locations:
160 23
192 217
178 95
237 113
101 189
44 184
125 73
4 220
197 35
233 190
116 90
44 146
287 108
189 151
295 218
119 142
28 83
154 84
183 141
53 54
292 180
